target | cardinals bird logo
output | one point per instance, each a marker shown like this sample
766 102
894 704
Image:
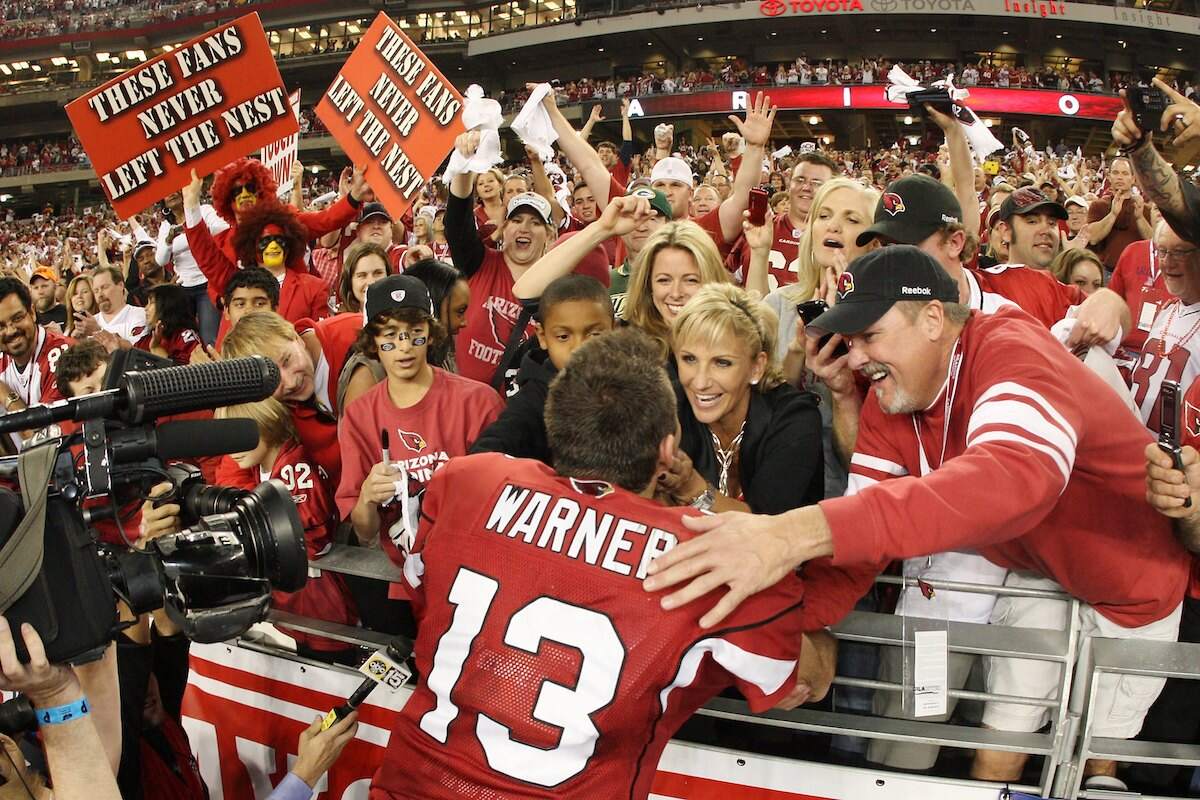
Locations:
845 285
413 441
893 203
1191 419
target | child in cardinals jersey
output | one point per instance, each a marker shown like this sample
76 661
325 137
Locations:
172 323
280 456
428 415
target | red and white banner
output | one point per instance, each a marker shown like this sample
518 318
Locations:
983 100
278 156
244 711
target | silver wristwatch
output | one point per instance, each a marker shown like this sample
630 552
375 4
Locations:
704 501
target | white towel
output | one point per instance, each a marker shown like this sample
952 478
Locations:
483 115
979 136
533 124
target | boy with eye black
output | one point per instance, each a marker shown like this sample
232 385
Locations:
573 309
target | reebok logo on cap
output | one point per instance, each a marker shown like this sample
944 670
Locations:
893 203
925 290
845 285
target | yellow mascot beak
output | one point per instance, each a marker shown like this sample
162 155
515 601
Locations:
272 255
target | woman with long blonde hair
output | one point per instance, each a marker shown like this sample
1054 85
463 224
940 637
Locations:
841 210
677 260
750 441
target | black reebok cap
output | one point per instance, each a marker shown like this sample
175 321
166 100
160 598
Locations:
1026 200
873 283
911 209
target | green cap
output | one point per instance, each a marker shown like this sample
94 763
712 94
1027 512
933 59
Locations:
658 200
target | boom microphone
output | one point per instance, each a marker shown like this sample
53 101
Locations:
143 396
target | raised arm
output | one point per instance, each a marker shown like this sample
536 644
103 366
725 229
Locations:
962 168
756 131
621 216
542 186
579 152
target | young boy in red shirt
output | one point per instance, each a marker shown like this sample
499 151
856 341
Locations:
428 415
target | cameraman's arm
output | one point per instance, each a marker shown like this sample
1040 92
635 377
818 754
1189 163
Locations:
99 682
78 765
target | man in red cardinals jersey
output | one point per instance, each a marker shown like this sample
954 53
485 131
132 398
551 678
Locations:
1041 458
1139 279
812 170
1172 353
546 671
28 352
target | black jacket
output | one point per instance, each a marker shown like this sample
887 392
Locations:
781 463
520 430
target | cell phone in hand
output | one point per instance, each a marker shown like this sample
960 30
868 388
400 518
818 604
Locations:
1169 411
758 207
809 311
1147 105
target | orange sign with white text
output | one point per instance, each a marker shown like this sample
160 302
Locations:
392 112
198 107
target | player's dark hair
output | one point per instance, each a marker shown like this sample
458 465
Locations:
253 278
173 309
14 286
589 424
77 362
572 287
365 343
819 159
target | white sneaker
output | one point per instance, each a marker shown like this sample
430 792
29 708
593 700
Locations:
1105 783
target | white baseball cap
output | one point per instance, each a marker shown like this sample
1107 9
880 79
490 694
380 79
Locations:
672 169
532 201
1077 200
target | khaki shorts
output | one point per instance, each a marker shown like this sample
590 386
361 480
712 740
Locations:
1121 700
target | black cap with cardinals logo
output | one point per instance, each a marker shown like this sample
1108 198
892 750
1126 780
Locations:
911 209
873 283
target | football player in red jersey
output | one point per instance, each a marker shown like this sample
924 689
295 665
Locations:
28 352
546 671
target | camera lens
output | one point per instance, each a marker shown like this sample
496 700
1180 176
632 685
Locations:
16 716
274 535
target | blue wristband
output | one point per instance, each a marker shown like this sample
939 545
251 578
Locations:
61 714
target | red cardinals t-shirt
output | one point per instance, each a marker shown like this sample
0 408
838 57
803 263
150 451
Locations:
423 437
493 314
325 595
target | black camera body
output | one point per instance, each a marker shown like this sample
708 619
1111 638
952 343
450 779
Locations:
214 577
1147 104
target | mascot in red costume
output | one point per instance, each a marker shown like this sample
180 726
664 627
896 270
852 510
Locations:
271 235
237 189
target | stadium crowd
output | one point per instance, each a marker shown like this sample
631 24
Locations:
1006 321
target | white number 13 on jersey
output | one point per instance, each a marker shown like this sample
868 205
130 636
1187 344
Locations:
563 707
